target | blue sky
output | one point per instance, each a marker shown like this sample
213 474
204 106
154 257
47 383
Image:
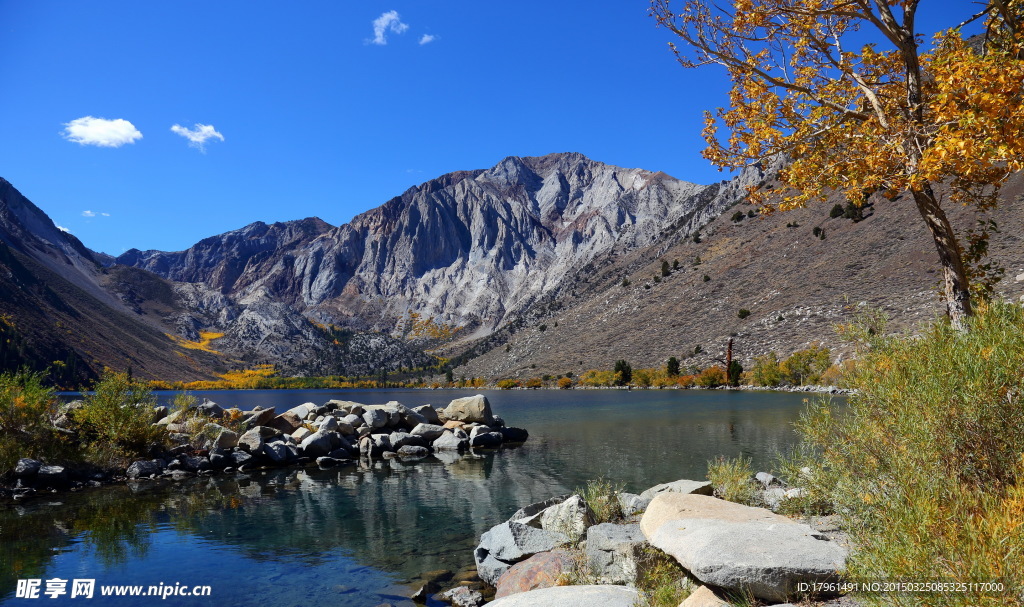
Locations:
220 113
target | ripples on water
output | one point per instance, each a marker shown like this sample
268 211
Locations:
357 535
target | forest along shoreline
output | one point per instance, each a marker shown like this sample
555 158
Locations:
206 439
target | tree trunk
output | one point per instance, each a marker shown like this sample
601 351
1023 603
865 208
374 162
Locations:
954 272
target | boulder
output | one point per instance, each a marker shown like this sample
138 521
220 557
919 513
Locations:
159 412
541 570
452 424
740 548
260 417
509 543
455 440
470 409
413 452
767 479
375 418
411 419
704 597
301 434
572 596
428 413
680 486
402 439
277 452
302 411
462 596
330 424
51 476
251 441
612 552
531 511
353 421
485 440
570 517
27 468
631 503
210 409
144 469
430 432
513 435
240 458
286 423
316 444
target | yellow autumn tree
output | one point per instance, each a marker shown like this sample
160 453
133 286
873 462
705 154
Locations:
859 103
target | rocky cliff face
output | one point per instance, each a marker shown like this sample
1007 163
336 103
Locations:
470 249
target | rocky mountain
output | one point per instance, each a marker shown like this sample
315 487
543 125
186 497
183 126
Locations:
466 252
57 309
538 265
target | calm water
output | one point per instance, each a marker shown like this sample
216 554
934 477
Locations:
357 536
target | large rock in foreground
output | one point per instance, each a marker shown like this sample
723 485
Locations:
572 596
741 548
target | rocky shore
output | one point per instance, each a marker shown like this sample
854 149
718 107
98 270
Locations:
556 553
208 439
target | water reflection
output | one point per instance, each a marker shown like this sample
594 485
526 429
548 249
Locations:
353 535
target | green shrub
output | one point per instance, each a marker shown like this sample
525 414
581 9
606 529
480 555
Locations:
661 581
733 480
26 410
601 496
737 216
743 313
837 211
115 423
925 464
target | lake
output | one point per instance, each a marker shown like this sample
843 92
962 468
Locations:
357 536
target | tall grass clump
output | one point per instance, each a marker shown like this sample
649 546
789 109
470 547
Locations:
733 480
115 423
925 464
662 582
27 408
602 497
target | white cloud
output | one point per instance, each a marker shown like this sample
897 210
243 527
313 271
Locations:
101 132
88 213
427 39
198 136
387 21
105 214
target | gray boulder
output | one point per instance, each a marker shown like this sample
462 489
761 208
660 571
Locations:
428 413
462 596
51 476
240 458
470 409
513 435
570 518
402 439
631 503
259 417
287 422
509 543
210 409
375 418
428 431
612 552
329 424
27 468
484 439
680 486
413 452
144 469
454 440
302 411
277 452
317 444
251 441
572 596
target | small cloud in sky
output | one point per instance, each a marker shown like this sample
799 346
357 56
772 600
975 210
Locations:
387 21
88 213
100 132
198 136
427 39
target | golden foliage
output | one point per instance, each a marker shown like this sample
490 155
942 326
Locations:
205 338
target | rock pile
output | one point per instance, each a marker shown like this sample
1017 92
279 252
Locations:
329 435
727 546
